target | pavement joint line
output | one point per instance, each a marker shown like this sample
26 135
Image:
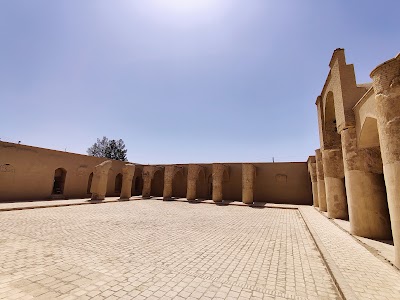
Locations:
344 289
371 249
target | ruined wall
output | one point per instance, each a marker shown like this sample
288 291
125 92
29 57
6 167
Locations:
27 173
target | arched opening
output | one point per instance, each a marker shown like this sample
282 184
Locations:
179 185
59 181
201 186
89 185
331 136
118 183
137 185
157 184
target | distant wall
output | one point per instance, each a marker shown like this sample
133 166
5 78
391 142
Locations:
275 183
27 173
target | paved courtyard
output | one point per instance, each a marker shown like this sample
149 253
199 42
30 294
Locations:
160 250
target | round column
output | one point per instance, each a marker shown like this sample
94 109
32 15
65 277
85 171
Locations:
320 181
312 168
127 176
366 193
335 190
168 178
217 176
147 176
248 178
100 179
193 174
386 83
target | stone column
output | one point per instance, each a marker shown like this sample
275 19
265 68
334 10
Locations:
320 181
100 179
127 176
193 175
170 172
248 179
386 83
365 187
218 178
147 175
335 190
312 169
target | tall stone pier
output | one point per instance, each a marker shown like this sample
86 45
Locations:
248 179
128 171
312 169
147 175
386 84
98 188
169 174
193 176
320 181
365 187
335 191
218 177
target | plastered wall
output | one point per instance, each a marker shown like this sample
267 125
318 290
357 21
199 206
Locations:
27 173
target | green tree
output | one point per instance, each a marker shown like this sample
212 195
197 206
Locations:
113 149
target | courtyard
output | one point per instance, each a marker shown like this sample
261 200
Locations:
152 249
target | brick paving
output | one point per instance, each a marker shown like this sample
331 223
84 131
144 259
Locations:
367 276
6 206
160 250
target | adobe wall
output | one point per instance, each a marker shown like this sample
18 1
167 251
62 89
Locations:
27 173
274 183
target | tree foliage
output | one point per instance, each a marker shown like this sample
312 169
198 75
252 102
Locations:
113 149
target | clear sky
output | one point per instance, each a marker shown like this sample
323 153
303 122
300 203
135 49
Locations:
181 80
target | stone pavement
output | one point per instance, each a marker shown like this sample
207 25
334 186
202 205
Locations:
6 206
361 275
165 250
383 248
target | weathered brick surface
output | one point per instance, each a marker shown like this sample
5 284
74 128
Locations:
159 250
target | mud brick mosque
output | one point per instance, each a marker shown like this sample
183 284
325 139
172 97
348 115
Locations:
355 175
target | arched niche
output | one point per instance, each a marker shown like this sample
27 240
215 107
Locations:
60 175
202 185
157 184
137 185
179 184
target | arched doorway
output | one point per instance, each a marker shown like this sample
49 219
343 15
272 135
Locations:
59 181
118 183
89 185
157 184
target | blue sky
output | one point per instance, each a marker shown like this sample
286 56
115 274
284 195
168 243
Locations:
181 80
